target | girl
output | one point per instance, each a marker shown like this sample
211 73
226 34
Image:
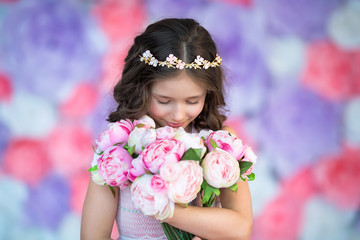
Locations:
172 73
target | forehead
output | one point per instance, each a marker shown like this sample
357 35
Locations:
180 85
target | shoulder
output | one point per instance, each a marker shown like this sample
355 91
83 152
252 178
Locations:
229 129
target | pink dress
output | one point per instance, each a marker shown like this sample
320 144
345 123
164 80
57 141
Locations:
132 224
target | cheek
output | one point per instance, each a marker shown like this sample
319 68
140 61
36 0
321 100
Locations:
195 111
155 110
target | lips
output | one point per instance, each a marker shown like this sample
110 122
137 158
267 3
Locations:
175 125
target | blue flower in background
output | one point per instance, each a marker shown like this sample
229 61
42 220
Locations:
48 47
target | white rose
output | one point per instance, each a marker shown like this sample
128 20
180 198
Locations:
141 138
95 176
190 140
147 121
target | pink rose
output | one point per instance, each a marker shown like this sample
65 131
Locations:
221 169
249 156
137 169
227 142
117 132
141 138
161 151
169 171
146 122
158 184
188 182
151 203
165 133
114 165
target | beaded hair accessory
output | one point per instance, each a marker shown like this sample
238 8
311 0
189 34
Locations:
173 62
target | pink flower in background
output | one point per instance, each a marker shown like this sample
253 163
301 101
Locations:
81 102
161 151
114 165
188 181
227 142
26 160
6 88
337 178
70 145
78 187
109 12
141 138
330 71
221 169
117 132
148 200
279 220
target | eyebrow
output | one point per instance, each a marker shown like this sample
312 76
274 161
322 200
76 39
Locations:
162 96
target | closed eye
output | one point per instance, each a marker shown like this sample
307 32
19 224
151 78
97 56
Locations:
163 102
195 102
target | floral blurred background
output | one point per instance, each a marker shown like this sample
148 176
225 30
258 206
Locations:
293 91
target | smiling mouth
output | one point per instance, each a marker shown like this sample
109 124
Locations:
175 125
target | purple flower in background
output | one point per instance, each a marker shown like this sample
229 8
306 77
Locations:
97 120
296 128
48 203
306 19
169 8
4 139
47 47
238 33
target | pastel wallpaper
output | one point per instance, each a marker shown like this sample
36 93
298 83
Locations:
293 91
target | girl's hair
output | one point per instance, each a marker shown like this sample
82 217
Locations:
186 39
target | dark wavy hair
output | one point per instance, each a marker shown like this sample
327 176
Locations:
186 39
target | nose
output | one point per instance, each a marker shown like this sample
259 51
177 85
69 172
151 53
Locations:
178 113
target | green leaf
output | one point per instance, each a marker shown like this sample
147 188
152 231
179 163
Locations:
140 125
98 153
244 166
94 168
130 150
213 143
112 190
234 187
192 154
209 191
251 177
118 144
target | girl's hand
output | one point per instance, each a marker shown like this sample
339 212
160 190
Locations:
196 238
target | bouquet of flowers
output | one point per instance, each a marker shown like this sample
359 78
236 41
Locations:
167 165
226 161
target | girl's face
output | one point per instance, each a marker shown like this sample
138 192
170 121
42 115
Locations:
176 101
